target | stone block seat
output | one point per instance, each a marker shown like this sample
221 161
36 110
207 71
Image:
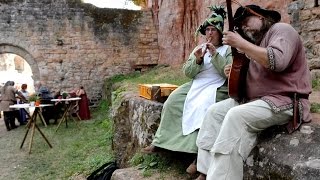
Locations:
278 155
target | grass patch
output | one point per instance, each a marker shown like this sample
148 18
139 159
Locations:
130 82
316 84
159 74
315 108
76 151
147 162
170 163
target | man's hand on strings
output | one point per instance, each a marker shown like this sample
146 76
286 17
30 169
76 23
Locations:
232 39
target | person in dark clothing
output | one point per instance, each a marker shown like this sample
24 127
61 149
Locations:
58 106
45 97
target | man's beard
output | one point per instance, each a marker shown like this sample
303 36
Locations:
256 36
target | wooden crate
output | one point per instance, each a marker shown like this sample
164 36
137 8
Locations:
157 92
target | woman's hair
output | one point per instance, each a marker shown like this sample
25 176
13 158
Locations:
24 86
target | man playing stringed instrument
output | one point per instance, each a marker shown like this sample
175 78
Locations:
278 83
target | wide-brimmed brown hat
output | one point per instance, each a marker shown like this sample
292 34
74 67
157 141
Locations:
254 10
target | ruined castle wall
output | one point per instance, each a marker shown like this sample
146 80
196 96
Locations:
68 43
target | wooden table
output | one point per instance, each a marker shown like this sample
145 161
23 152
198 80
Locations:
69 104
32 122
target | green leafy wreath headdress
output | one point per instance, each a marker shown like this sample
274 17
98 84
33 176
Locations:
216 19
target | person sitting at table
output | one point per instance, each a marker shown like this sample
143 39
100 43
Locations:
8 97
42 91
84 111
45 97
22 112
58 105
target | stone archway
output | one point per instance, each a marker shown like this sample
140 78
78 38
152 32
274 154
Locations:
7 48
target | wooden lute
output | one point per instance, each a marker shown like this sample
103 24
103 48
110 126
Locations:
239 68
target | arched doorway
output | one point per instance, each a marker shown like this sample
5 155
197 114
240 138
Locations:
20 60
15 68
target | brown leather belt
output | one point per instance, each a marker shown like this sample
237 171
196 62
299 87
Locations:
296 121
297 95
302 96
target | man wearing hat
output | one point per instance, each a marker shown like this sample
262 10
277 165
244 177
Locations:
277 82
184 109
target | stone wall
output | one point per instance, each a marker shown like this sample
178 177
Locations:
135 122
68 43
306 20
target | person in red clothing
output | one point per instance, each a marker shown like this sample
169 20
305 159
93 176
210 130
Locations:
84 111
